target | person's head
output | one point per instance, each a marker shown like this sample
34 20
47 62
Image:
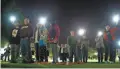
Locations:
26 21
72 33
53 22
17 23
107 28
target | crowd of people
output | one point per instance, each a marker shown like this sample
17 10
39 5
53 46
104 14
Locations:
45 38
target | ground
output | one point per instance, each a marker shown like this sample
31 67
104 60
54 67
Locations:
85 65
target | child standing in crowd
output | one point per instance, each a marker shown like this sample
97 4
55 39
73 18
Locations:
72 41
64 52
79 52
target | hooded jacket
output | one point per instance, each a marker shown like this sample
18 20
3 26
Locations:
53 33
109 35
99 42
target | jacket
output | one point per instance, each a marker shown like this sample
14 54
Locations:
43 36
53 33
26 31
64 49
99 42
15 36
71 40
36 35
84 43
111 32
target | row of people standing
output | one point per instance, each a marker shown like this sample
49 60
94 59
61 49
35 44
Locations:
20 41
108 43
20 37
77 48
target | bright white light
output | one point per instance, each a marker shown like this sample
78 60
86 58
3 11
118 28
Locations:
2 51
119 43
81 32
42 20
12 18
100 33
116 18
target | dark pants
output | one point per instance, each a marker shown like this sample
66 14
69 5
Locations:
26 50
2 55
64 57
15 51
107 51
43 54
79 53
72 53
100 54
37 51
112 53
85 54
7 55
119 58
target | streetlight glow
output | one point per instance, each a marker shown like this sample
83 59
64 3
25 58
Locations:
119 43
116 18
81 32
12 19
42 20
100 33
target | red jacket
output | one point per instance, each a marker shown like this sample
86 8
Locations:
57 33
112 32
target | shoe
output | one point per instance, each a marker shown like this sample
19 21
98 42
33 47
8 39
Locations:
53 63
106 61
111 62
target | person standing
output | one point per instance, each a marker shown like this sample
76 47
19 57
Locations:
85 45
72 41
7 53
64 52
53 38
43 43
79 52
15 42
109 44
100 48
26 33
36 40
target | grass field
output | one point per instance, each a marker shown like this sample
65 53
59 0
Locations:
86 65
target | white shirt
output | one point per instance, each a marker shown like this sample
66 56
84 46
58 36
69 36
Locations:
36 36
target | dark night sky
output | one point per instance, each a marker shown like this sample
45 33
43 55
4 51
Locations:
72 14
